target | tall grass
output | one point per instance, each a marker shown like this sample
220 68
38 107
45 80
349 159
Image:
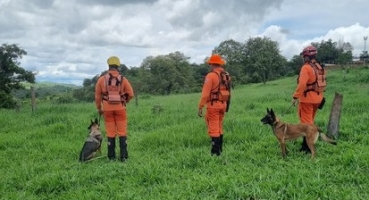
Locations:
169 151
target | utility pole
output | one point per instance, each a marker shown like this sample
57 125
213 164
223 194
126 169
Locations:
365 38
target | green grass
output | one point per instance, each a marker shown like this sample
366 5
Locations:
170 151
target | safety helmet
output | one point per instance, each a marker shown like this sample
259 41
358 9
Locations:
216 59
113 60
309 51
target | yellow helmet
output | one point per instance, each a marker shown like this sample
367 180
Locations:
113 60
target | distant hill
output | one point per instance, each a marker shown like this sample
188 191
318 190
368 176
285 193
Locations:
44 89
50 84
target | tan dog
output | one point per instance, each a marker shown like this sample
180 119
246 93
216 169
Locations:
92 143
285 132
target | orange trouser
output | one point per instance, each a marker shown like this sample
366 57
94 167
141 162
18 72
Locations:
115 123
306 112
214 121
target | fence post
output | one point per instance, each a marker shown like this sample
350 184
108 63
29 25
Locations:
334 118
33 99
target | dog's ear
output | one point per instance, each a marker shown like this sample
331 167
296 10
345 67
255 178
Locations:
96 122
268 110
272 112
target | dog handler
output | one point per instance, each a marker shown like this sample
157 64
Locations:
307 95
112 92
215 109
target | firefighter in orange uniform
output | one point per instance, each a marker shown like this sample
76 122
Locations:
310 89
215 96
112 93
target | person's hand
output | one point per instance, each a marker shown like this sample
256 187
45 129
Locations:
100 111
199 113
294 101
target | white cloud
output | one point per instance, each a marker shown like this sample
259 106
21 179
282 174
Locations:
69 40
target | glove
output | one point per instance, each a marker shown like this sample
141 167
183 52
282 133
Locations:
294 101
199 113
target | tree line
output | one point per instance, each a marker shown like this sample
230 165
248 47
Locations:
257 60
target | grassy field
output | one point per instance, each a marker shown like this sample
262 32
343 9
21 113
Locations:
170 150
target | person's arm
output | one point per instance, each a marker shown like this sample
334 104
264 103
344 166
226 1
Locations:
303 80
98 94
206 90
128 90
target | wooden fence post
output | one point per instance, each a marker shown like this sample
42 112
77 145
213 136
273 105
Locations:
334 118
33 99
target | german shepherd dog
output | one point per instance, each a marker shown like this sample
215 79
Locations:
285 132
92 143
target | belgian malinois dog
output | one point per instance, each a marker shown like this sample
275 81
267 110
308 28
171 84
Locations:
93 142
285 132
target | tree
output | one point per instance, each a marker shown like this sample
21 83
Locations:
264 59
364 56
11 74
234 54
167 74
334 52
294 65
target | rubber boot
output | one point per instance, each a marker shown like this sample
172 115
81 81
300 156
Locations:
304 146
215 146
111 148
123 148
221 143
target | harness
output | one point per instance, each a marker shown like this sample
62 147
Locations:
222 91
320 83
113 89
92 139
275 127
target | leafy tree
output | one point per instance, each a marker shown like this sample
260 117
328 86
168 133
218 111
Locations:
364 56
166 74
264 59
11 74
234 54
294 65
334 52
87 92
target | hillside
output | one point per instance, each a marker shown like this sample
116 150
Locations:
169 150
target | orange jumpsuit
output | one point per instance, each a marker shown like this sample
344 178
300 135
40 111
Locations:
115 115
214 110
309 101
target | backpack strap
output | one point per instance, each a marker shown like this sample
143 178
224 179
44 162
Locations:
108 81
221 81
316 71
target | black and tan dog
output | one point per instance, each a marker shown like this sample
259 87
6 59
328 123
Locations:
285 132
92 143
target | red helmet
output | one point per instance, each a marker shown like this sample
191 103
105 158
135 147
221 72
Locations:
309 51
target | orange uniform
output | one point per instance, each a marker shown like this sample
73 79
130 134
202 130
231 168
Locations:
114 114
216 106
308 101
111 96
215 110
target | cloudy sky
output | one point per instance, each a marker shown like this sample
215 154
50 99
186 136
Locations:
70 40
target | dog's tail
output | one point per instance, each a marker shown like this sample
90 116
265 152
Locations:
327 139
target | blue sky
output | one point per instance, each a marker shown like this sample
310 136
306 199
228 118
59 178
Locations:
70 40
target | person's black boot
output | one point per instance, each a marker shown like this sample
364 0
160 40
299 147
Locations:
304 147
123 148
221 143
215 146
111 148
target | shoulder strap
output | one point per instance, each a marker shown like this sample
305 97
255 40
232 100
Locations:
220 80
315 68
